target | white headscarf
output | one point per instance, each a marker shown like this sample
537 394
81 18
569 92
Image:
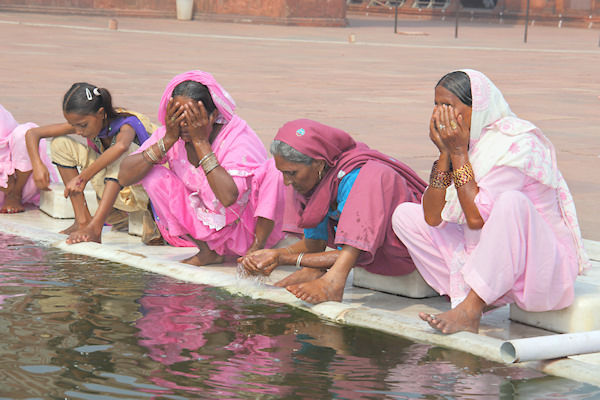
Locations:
498 137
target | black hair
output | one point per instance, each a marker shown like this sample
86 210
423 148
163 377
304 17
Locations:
85 99
197 91
459 84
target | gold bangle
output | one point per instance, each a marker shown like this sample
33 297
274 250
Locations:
439 179
161 148
463 175
152 155
210 163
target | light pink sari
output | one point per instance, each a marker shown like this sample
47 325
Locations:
14 156
182 198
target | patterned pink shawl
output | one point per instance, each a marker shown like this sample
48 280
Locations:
342 154
497 138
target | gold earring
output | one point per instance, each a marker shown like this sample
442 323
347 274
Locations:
320 171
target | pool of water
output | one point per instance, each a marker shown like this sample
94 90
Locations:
76 327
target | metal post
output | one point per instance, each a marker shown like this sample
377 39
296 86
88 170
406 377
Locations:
396 18
456 24
526 22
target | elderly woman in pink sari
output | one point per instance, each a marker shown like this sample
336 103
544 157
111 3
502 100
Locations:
497 223
219 193
16 184
344 194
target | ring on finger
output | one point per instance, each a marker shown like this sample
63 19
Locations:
173 119
453 124
432 317
441 126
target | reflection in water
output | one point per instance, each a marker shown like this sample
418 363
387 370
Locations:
79 328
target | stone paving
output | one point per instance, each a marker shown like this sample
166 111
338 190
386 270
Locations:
378 86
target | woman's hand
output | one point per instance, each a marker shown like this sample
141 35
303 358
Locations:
435 128
41 177
75 186
453 132
200 124
261 262
175 116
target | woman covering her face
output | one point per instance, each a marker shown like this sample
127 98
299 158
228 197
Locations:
219 193
344 194
498 223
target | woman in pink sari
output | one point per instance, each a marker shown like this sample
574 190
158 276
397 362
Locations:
16 184
497 223
344 194
220 193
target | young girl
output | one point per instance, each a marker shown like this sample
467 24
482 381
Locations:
16 185
111 135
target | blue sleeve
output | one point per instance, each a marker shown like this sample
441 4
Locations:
319 232
344 189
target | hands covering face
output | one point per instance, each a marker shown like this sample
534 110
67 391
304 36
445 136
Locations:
191 116
448 131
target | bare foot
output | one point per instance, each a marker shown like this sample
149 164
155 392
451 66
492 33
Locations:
204 258
319 290
86 234
301 276
12 205
70 229
456 320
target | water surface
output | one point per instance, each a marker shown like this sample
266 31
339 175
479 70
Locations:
76 327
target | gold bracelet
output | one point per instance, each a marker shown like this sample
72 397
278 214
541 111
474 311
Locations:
147 158
152 155
463 175
439 179
161 148
210 163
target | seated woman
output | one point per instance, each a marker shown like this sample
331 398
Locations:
219 193
111 135
497 223
345 194
16 184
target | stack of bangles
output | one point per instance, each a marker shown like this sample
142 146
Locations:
209 162
443 179
151 155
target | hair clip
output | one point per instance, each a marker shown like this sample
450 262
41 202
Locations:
97 91
88 94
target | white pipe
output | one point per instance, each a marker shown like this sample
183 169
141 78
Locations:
548 347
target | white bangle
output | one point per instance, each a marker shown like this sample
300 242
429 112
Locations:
299 260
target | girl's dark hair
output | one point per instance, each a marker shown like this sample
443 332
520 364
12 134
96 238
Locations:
459 84
85 99
197 91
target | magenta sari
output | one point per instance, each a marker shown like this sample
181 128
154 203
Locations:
382 184
181 196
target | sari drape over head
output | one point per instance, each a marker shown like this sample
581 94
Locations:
182 197
499 138
370 202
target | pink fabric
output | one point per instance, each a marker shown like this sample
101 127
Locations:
342 154
524 253
14 156
380 186
498 137
182 197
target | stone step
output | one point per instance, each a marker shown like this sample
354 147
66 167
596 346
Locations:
580 316
54 203
412 285
136 223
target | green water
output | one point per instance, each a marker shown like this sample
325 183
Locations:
80 328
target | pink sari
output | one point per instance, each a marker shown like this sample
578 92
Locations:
14 156
181 196
381 185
